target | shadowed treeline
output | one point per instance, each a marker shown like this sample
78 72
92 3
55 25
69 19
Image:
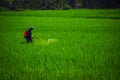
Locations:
58 4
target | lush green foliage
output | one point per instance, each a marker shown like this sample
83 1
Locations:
67 13
58 4
86 48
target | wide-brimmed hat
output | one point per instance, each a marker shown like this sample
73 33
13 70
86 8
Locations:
31 27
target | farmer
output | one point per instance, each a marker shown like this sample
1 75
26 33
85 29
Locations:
28 34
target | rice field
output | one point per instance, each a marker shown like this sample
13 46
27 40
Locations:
67 45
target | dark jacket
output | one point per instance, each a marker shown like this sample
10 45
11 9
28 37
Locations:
29 34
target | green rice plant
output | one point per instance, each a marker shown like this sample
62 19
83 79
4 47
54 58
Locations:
64 47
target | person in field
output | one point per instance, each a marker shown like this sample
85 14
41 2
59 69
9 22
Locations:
28 34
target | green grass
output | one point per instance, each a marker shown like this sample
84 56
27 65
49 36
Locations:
83 13
87 48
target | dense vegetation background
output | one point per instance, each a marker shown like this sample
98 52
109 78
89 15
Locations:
87 38
87 47
57 4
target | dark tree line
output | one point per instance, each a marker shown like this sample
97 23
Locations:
58 4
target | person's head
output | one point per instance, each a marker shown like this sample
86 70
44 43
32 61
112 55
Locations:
31 28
